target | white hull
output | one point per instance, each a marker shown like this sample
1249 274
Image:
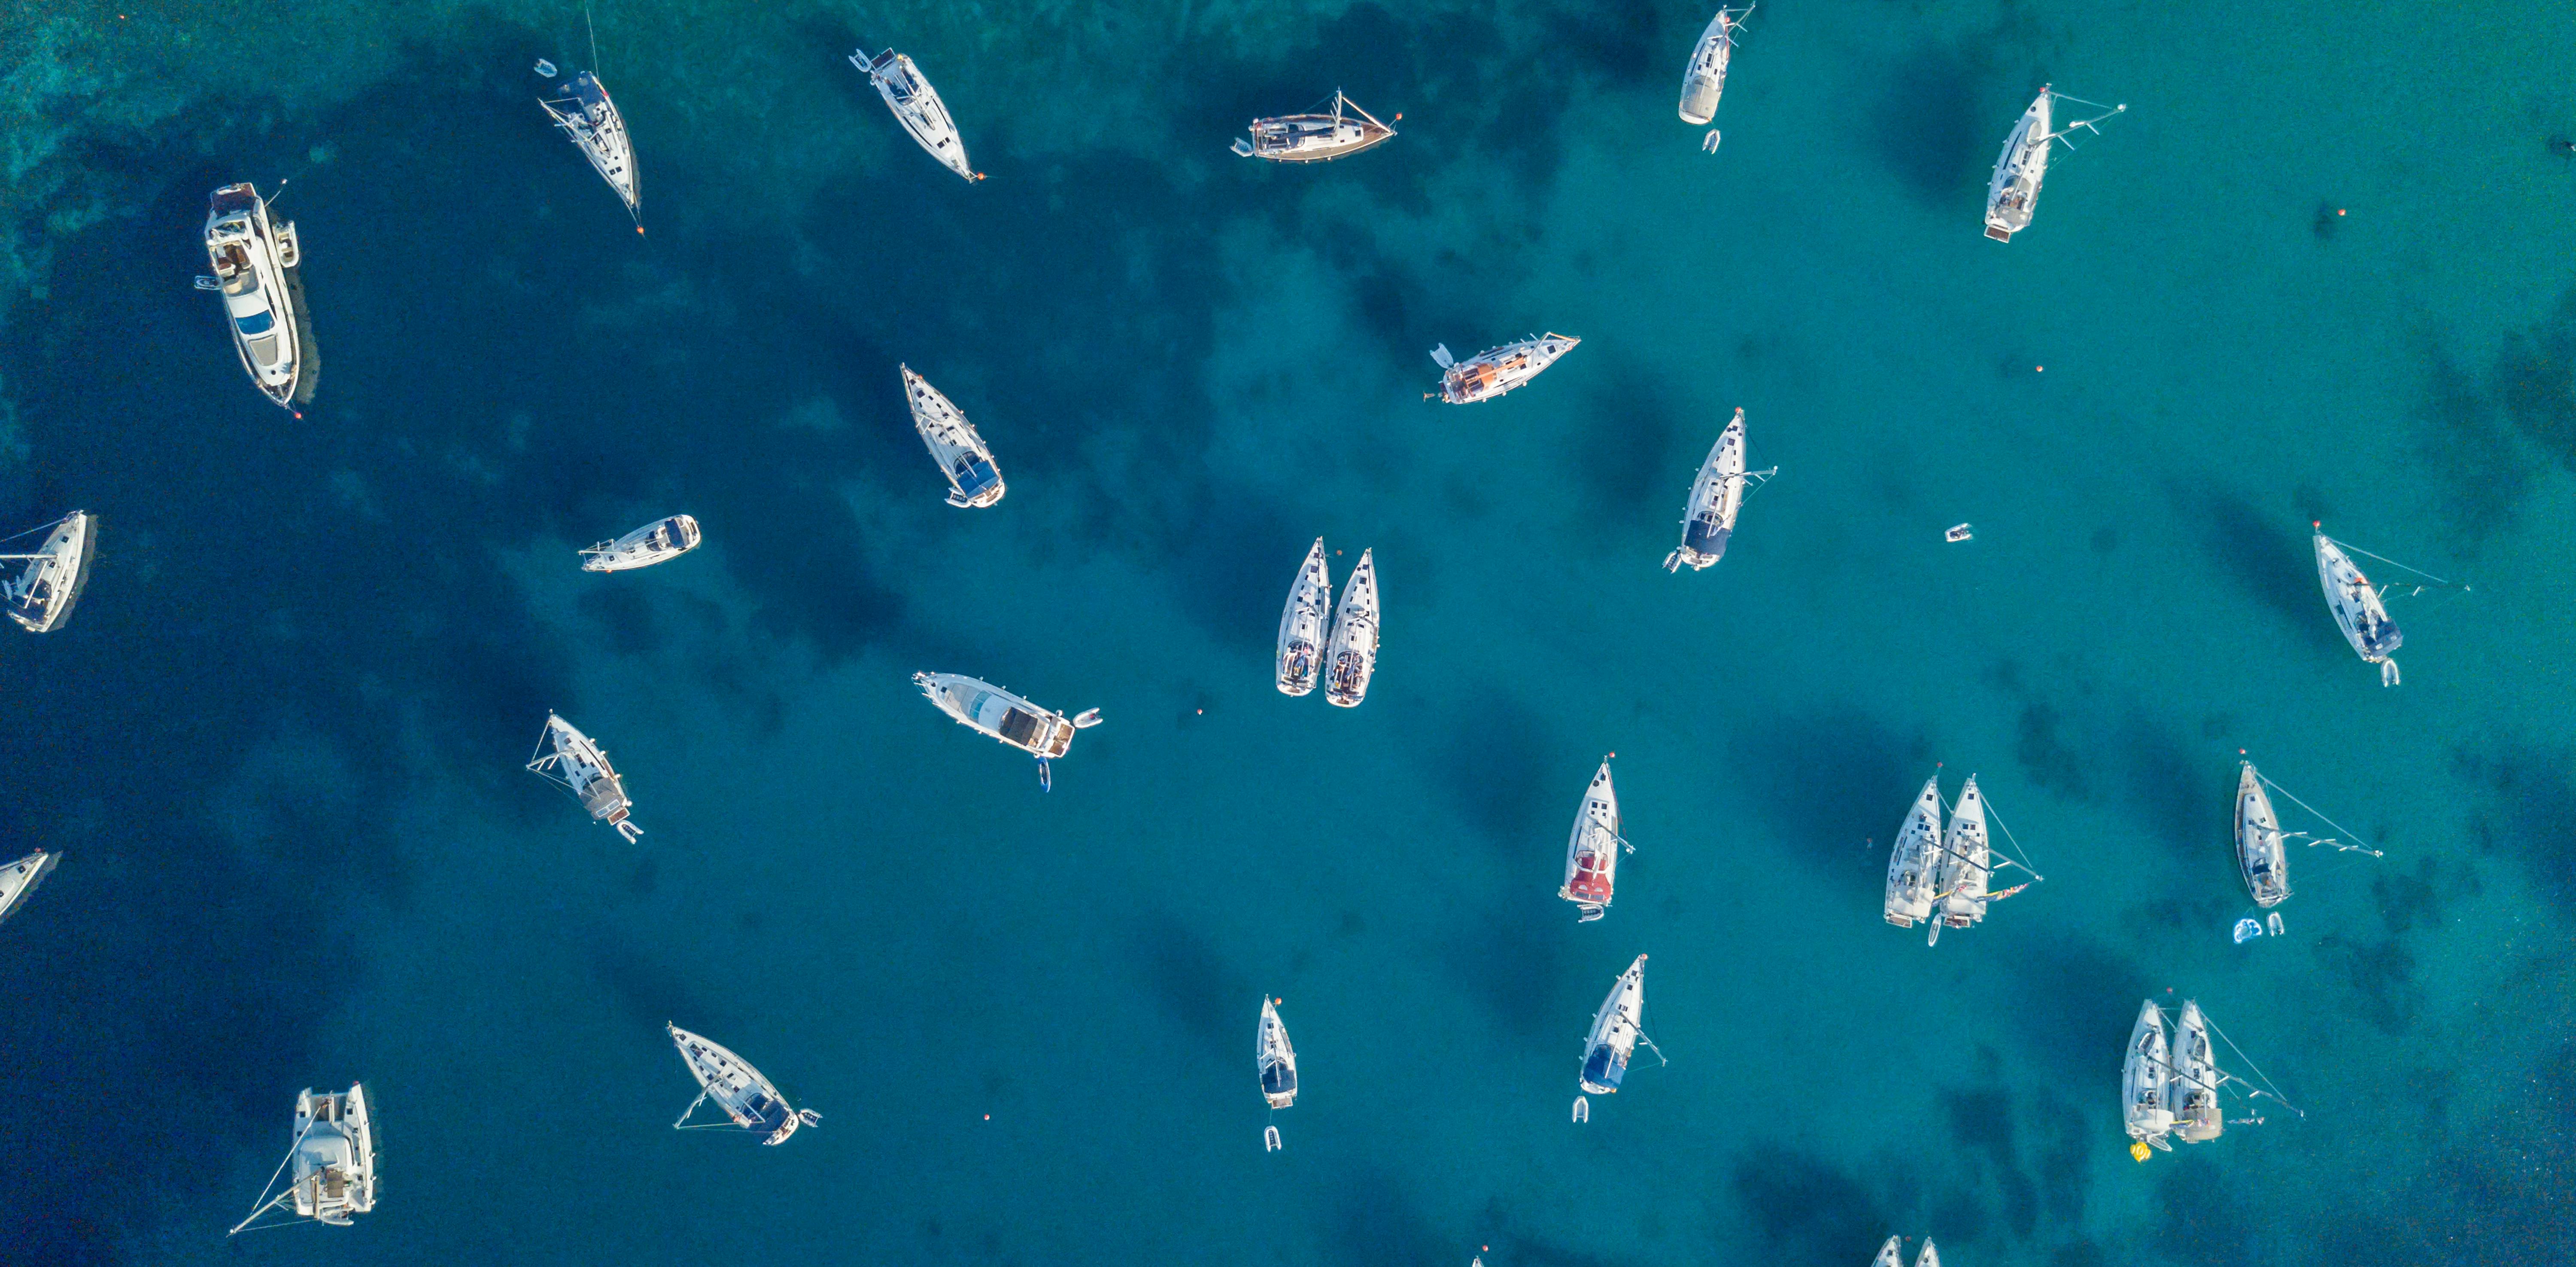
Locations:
1910 862
19 879
658 542
1704 80
1614 1034
1927 1256
49 579
587 116
1965 862
1302 624
2012 195
2260 858
2357 609
1715 497
1355 629
1491 373
1592 852
974 481
2144 1080
1277 1060
1891 1254
568 757
255 258
1315 138
744 1093
2198 1115
335 1162
989 710
917 106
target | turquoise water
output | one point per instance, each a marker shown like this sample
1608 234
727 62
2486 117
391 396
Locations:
279 743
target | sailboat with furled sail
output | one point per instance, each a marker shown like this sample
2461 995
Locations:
1912 863
2359 609
1959 875
2146 1079
973 479
1715 498
1278 1065
574 760
1494 371
2262 857
1704 80
1592 853
1302 624
590 119
2012 196
1338 132
747 1096
1354 648
2172 1087
48 579
19 879
917 107
657 542
1616 1030
334 1163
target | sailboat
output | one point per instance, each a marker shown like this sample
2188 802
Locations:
1592 852
2259 856
2358 610
745 1095
1302 623
41 595
2013 194
1959 875
1927 1256
1343 130
657 542
1278 1064
973 480
20 878
1615 1034
987 709
1354 648
1492 372
1705 78
917 106
2146 1078
2179 1090
586 115
1910 865
2198 1117
1715 497
1891 1254
566 756
256 258
334 1161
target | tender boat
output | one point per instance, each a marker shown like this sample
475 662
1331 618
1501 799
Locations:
586 115
1278 1063
2357 609
749 1098
973 480
41 593
2013 193
1705 78
1911 864
657 542
1891 1254
333 1160
1314 138
917 105
2198 1115
568 757
2259 856
256 258
2145 1081
1592 853
1615 1032
20 878
987 709
1354 649
1965 864
1715 498
1495 371
1302 624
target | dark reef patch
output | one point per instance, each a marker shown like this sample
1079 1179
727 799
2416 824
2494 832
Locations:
1805 1210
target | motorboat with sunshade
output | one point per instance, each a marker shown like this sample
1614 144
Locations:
973 480
2012 195
1616 1030
2358 609
567 757
657 542
1354 648
586 115
989 710
1959 875
333 1159
2146 1078
1715 498
1911 863
1592 853
917 106
45 582
1705 78
1303 624
2259 856
1492 372
745 1095
1278 1064
19 879
256 257
1342 129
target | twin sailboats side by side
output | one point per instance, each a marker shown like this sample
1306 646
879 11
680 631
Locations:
574 760
586 115
1337 132
973 480
1345 659
1892 1254
1616 1030
1704 80
917 106
1492 372
2170 1083
1278 1065
40 591
657 542
256 258
1938 878
748 1097
2013 193
987 709
333 1159
1708 519
1592 852
19 879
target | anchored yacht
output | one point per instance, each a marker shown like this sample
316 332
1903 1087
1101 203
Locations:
1927 1256
973 480
49 579
20 878
1278 1060
1314 138
1911 865
2198 1115
917 105
1965 864
2259 856
256 258
1715 498
333 1159
1495 371
2357 609
749 1098
568 757
987 709
1615 1032
657 542
1354 647
586 115
2145 1081
1891 1254
1302 623
1705 78
2013 194
1592 853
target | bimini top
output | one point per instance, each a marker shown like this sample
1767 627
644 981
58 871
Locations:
333 1162
917 105
1704 80
40 586
1343 130
2259 856
586 115
574 760
1615 1031
657 542
254 258
1495 371
2358 610
1301 623
1278 1060
1708 519
1592 852
2198 1115
741 1091
973 480
20 878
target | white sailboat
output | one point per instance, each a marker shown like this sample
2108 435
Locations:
1592 852
2013 193
1708 519
657 542
1355 628
1342 130
1927 1256
1492 372
2175 1088
2146 1078
2259 856
1705 78
917 106
334 1163
2357 608
745 1095
568 757
19 879
1959 875
987 709
1278 1066
587 116
255 258
973 480
40 592
1302 624
1911 863
1890 1254
2198 1117
1616 1031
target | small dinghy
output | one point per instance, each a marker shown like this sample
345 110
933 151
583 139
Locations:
2198 1117
1342 130
1592 853
1705 78
987 709
586 115
657 542
746 1096
1616 1031
917 105
1715 497
1302 624
2013 194
1278 1063
333 1159
1910 865
1959 875
256 258
1493 372
2358 609
1354 648
570 758
19 879
50 578
2146 1078
2259 856
973 480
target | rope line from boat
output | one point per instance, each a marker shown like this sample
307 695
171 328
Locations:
2269 1087
2439 582
2361 846
268 1202
2086 124
40 528
2022 861
593 28
693 1107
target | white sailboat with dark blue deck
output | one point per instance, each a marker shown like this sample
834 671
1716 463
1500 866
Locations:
586 115
1616 1031
1278 1065
989 710
1715 499
19 879
973 479
917 106
1302 624
657 542
744 1093
40 591
2358 609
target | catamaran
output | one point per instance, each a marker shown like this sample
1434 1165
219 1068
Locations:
1592 853
750 1099
987 709
2013 194
1278 1064
1354 648
2259 856
1343 130
40 596
1959 875
973 480
917 106
1705 78
586 115
2146 1078
1495 371
1302 623
334 1159
256 260
1615 1034
2358 610
657 542
1911 864
576 761
20 878
1715 497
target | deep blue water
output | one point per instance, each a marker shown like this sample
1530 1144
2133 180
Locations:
2319 269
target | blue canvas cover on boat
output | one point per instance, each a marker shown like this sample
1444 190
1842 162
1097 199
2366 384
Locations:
1706 539
1605 1067
1278 1079
975 476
